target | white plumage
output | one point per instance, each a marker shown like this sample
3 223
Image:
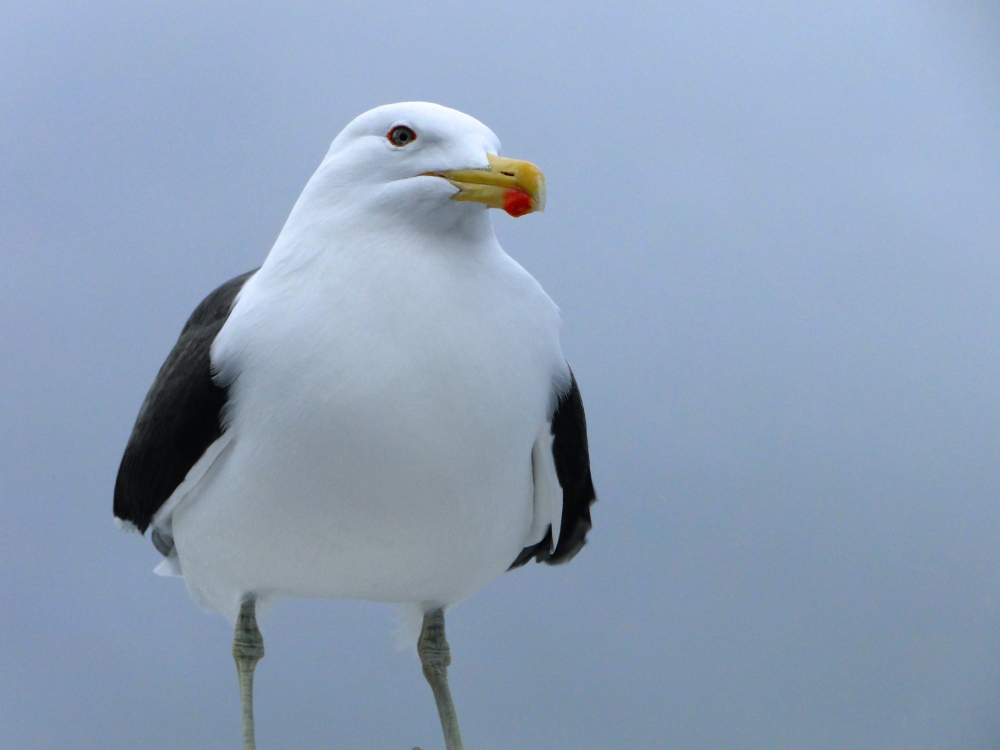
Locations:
382 411
382 417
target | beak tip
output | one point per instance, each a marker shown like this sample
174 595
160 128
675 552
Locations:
518 187
517 202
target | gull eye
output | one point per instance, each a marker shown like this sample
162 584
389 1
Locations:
401 135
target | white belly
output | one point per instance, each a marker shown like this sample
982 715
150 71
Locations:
381 442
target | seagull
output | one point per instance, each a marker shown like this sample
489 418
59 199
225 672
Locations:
381 411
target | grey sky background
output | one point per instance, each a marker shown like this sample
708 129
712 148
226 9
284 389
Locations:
773 232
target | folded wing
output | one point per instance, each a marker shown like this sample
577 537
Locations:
180 417
569 456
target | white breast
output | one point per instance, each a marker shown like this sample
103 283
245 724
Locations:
383 410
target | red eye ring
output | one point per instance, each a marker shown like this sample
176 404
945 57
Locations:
401 136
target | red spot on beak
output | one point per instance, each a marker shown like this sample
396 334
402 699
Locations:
516 202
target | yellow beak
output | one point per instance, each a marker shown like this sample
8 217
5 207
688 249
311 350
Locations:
518 187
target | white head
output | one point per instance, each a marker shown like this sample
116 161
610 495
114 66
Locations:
418 164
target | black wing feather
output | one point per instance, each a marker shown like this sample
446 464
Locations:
180 417
572 460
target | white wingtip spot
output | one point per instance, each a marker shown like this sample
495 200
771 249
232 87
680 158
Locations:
122 525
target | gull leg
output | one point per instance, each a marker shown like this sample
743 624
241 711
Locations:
248 649
435 656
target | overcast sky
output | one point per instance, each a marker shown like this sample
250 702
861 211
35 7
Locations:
774 233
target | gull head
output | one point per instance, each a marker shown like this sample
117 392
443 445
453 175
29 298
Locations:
423 164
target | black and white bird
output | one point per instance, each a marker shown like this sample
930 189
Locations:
381 411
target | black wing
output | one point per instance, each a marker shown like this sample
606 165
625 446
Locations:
572 459
180 417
